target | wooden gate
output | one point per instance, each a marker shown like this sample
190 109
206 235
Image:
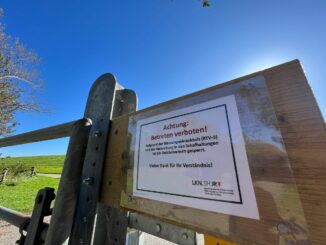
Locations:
116 162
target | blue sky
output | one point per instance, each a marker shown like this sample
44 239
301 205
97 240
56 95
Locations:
162 49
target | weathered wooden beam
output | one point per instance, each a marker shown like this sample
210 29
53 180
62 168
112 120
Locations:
3 175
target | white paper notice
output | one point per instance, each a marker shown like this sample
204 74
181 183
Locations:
195 157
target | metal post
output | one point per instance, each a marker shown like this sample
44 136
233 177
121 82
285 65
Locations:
133 237
99 109
67 194
111 223
111 226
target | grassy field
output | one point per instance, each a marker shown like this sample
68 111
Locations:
20 195
44 164
19 190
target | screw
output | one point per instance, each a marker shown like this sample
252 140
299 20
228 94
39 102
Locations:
97 133
88 181
185 236
282 228
129 198
158 228
85 219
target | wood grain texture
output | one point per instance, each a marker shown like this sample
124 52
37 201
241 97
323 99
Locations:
114 176
304 135
289 190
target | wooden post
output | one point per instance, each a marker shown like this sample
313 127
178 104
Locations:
33 172
4 175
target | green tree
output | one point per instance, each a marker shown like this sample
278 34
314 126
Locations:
19 79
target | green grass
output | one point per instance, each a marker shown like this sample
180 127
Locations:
51 164
19 190
19 194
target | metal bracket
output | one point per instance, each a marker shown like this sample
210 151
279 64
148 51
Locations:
41 208
163 230
111 226
111 223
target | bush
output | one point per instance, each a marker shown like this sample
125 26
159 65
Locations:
17 173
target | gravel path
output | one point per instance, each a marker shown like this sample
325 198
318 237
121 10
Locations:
9 234
56 176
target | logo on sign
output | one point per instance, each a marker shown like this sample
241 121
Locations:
206 183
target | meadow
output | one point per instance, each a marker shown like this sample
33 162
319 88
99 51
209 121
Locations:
20 195
19 190
51 164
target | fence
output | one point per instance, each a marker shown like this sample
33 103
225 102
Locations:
3 175
77 216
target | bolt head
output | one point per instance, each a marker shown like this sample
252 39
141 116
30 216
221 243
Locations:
185 236
88 181
282 228
97 133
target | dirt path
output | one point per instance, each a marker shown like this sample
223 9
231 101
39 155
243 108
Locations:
9 234
56 176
